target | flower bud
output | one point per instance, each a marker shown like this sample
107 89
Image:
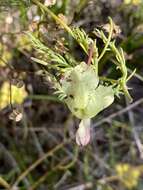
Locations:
16 115
83 133
49 2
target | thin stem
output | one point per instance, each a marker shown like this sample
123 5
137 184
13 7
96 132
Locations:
46 174
39 161
108 40
10 95
69 165
109 80
138 76
44 97
108 179
4 183
56 18
121 59
81 5
91 50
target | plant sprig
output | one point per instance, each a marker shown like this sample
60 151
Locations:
48 53
78 34
85 42
120 61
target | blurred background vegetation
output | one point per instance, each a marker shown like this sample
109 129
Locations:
38 151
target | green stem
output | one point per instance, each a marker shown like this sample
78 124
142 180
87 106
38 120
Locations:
108 40
39 161
123 80
4 183
108 80
56 18
69 165
65 7
81 5
44 97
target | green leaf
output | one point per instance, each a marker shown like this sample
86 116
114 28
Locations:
82 38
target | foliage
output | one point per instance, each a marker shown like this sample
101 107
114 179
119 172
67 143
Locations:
71 40
79 88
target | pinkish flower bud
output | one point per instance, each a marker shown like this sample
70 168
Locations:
49 2
83 133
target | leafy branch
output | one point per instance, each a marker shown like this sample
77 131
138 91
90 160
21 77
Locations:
51 55
120 59
85 42
78 34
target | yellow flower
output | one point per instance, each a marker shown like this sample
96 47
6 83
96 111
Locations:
128 175
134 2
17 95
5 55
